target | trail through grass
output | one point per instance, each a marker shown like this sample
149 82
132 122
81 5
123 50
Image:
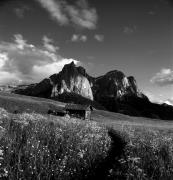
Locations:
35 146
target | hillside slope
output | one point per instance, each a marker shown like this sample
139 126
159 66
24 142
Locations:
21 103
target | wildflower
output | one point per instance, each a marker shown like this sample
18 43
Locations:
1 152
81 153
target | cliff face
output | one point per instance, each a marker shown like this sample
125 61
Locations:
114 84
74 84
75 80
71 79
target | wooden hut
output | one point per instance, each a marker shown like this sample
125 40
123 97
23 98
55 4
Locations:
79 111
57 112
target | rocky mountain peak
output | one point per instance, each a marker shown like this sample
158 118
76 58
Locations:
69 68
75 80
71 79
113 91
72 69
133 84
115 84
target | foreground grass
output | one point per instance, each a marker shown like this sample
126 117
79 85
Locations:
147 155
34 146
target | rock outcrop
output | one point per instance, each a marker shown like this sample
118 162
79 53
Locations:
114 84
71 79
113 91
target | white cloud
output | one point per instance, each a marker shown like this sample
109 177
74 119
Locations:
78 37
20 60
99 37
79 14
169 102
48 44
7 77
159 99
52 67
3 59
20 42
55 10
151 97
86 18
163 78
83 38
75 38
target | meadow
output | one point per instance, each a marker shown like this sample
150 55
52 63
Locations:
21 103
37 146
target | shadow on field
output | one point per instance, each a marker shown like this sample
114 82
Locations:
102 168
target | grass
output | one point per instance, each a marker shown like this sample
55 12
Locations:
21 103
148 154
35 146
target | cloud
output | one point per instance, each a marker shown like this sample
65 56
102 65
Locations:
3 59
22 61
150 96
53 67
159 99
7 78
20 11
129 29
20 42
78 38
169 102
163 78
55 10
99 37
79 13
48 44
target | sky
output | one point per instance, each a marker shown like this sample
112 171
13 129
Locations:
38 37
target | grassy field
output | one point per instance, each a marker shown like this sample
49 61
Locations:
117 120
33 146
149 150
110 146
21 103
12 102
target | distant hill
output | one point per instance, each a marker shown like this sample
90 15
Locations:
113 91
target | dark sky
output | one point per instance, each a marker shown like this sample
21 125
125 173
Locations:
38 37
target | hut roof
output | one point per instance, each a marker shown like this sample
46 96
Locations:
57 110
78 107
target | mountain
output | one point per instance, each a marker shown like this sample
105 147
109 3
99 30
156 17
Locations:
115 84
71 79
113 91
74 80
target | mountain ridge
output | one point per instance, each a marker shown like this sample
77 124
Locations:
114 91
73 79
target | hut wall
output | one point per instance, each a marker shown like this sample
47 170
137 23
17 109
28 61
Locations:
77 113
87 114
